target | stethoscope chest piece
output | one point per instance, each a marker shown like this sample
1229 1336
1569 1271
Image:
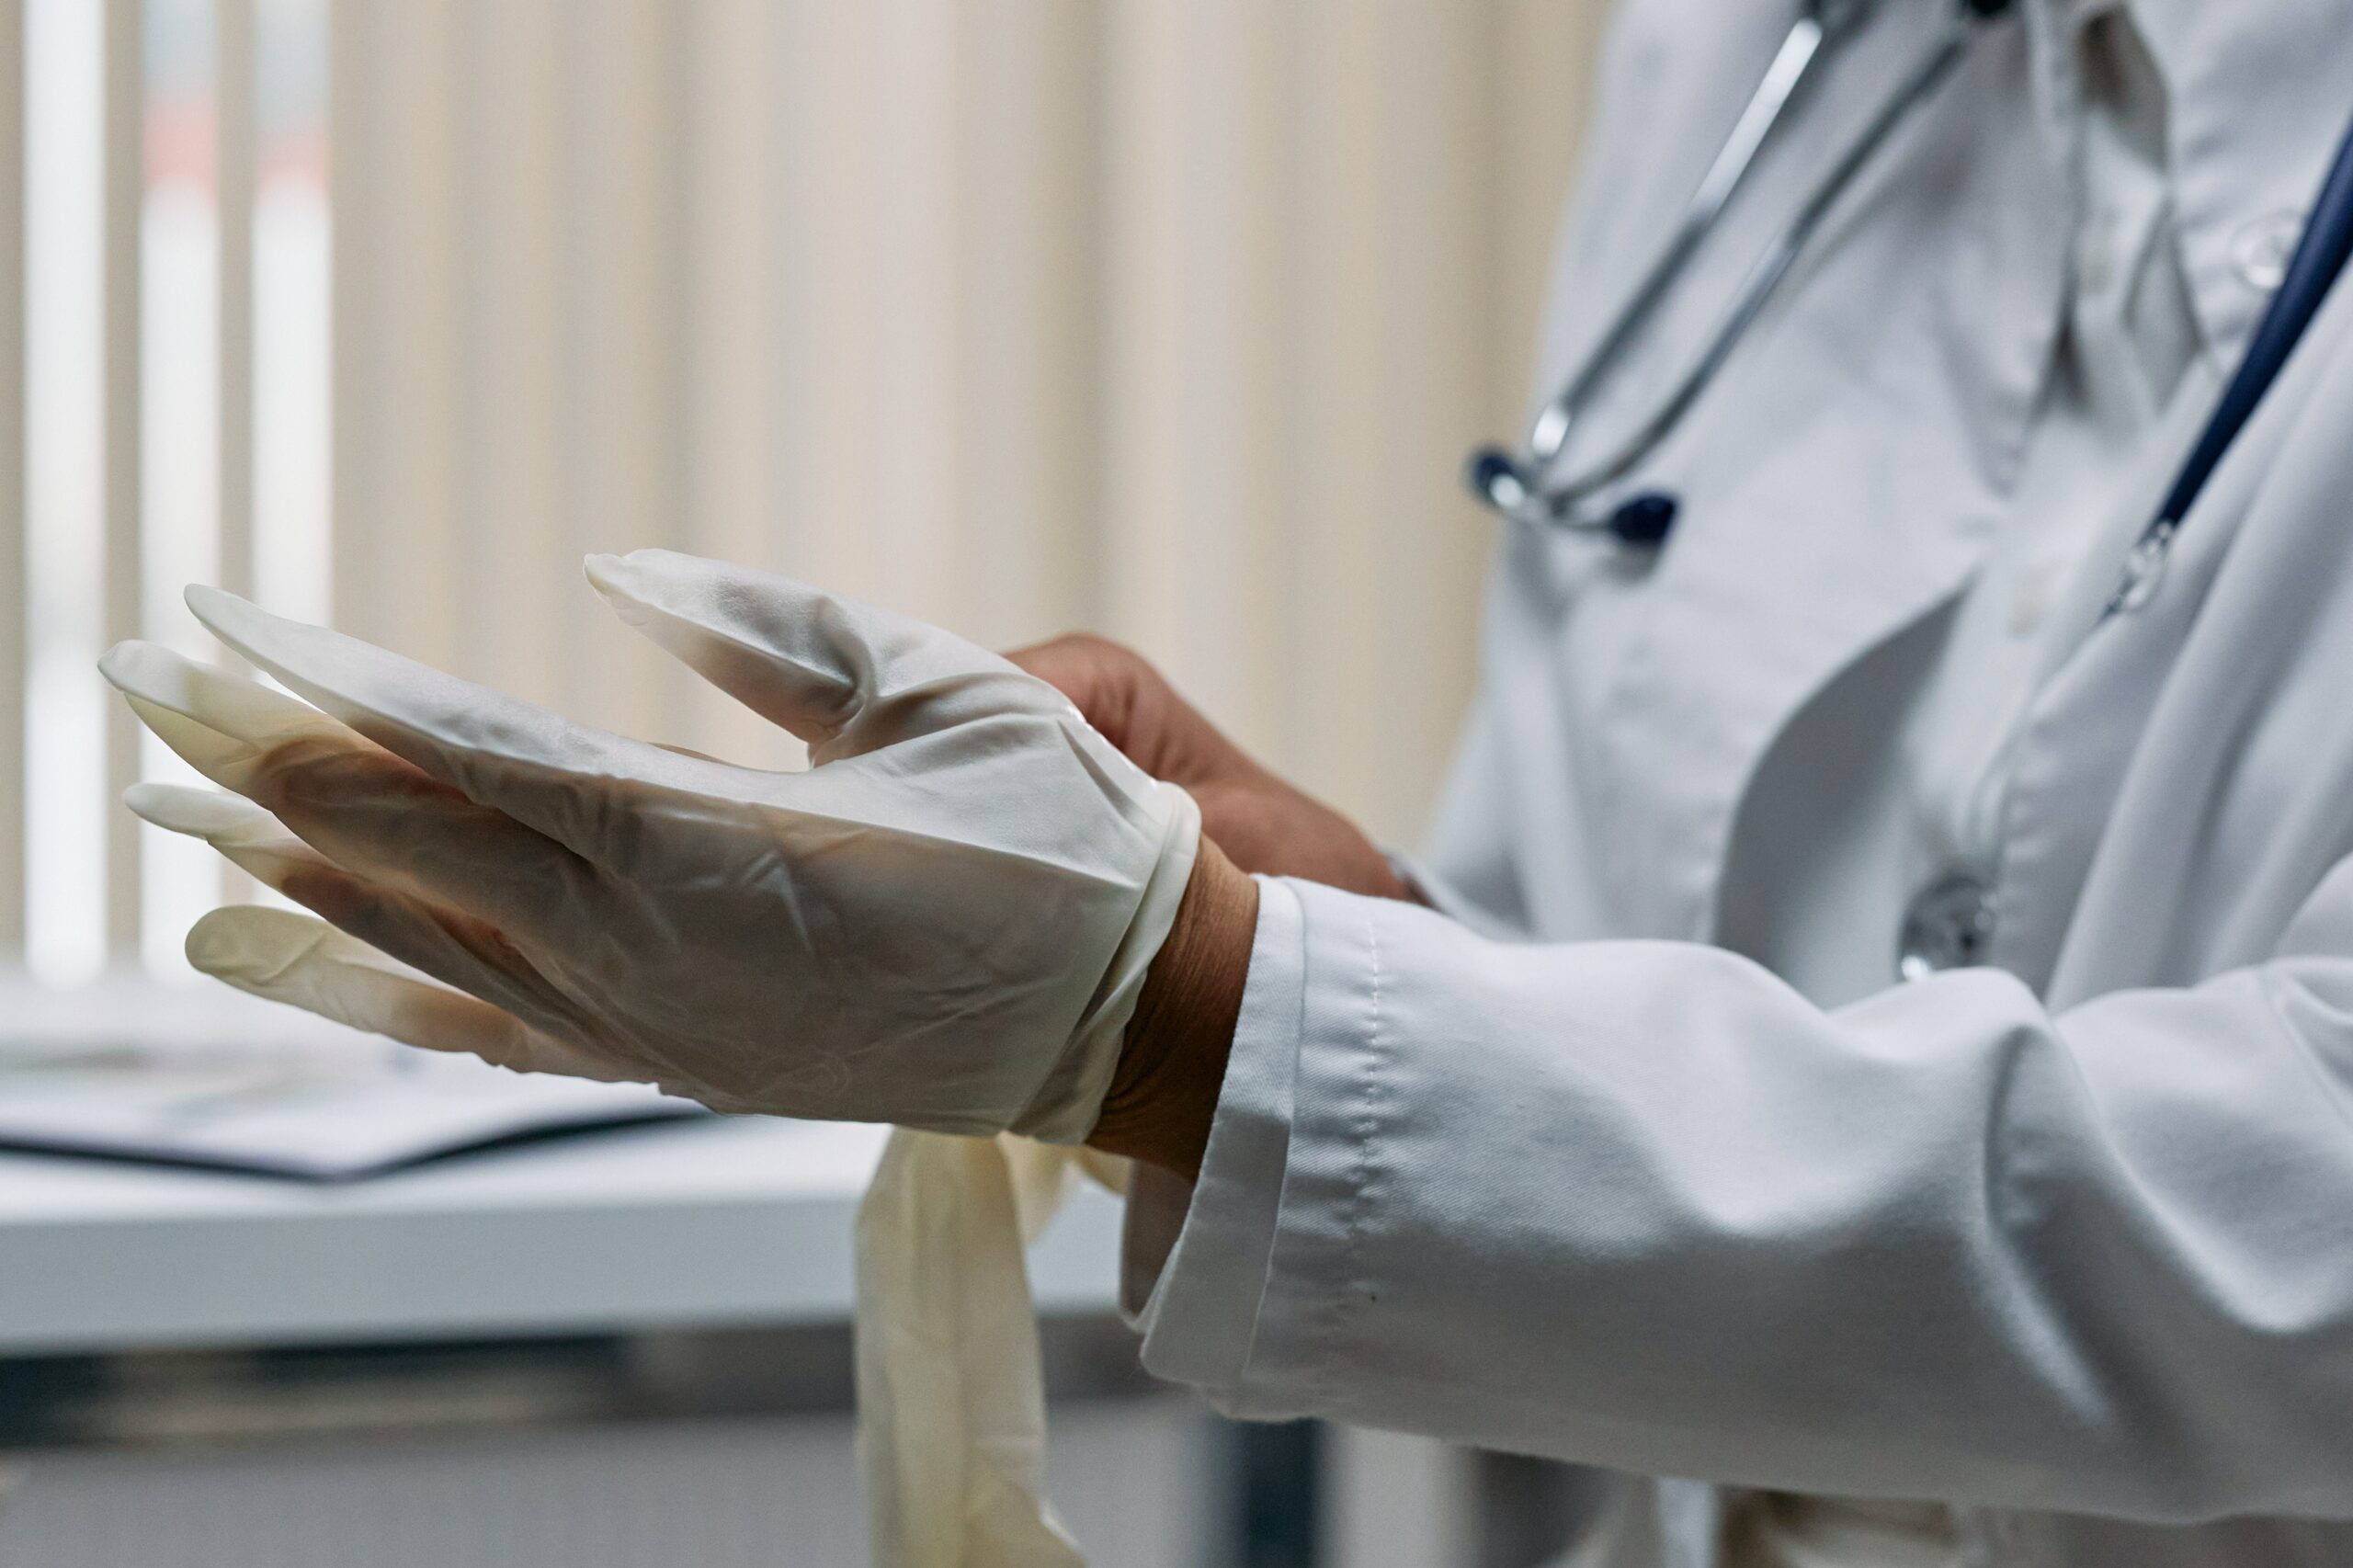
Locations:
1642 521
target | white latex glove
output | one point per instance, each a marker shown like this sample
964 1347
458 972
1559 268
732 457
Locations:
951 1434
944 923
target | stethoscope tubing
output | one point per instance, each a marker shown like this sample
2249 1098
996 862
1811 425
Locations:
1783 79
1766 279
1514 485
2320 260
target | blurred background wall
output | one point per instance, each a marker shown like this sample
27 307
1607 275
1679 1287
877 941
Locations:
1166 318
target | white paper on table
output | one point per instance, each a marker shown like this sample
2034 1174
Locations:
332 1109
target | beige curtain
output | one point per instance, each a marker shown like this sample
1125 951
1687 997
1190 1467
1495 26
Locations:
1167 318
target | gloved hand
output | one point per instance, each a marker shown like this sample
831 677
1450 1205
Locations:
944 923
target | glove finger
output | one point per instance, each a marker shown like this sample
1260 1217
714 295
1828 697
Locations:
454 948
305 962
575 784
379 818
345 797
451 948
222 725
247 836
844 677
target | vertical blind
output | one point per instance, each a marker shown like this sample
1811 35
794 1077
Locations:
1164 318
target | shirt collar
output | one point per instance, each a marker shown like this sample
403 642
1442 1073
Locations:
2259 95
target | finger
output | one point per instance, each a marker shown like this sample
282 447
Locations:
245 834
257 842
844 677
222 724
345 797
373 814
1102 679
1132 704
305 962
1072 665
451 945
447 945
568 781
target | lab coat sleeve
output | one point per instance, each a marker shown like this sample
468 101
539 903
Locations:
1641 1205
1198 1328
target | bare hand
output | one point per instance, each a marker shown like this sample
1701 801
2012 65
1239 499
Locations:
1263 825
1164 1097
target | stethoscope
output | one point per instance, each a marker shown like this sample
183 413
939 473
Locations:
1518 486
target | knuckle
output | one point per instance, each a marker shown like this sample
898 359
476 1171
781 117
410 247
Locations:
1087 661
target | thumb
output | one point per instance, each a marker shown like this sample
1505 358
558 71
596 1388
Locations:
844 677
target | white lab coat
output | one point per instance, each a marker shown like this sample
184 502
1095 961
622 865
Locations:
2066 1241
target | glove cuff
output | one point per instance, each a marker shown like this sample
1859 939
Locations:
1070 1100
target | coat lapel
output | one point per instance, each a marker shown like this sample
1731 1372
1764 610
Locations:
1842 479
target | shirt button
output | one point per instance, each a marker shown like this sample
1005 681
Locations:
1948 924
2261 250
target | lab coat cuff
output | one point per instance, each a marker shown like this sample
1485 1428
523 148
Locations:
1196 1297
1339 1159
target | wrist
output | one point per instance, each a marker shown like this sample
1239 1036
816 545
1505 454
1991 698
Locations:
1173 1055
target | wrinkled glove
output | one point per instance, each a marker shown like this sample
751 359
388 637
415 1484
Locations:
951 1408
944 923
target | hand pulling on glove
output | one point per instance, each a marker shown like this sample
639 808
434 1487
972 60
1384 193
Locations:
945 923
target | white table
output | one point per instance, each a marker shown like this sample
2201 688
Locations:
706 1224
702 1226
710 1224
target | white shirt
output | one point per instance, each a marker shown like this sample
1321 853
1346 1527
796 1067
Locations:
2129 386
1857 676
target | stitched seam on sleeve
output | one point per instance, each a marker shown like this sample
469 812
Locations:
1362 1128
1290 1125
